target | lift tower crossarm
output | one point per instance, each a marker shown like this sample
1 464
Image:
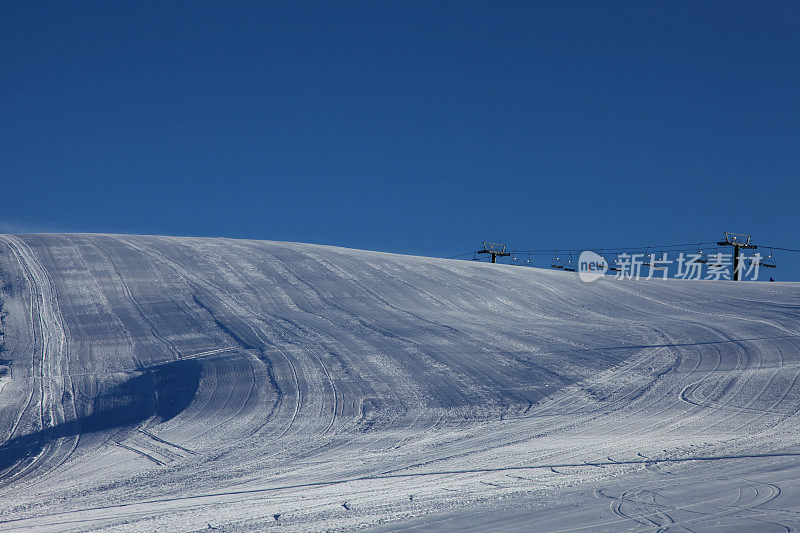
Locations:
495 249
739 241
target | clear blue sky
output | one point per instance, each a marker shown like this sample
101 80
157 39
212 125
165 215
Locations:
401 126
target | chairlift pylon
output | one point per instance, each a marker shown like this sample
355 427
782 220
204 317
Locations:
740 240
494 249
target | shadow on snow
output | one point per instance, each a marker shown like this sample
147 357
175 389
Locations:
163 391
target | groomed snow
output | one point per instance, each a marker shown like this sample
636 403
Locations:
155 383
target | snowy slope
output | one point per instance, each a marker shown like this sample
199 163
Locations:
182 383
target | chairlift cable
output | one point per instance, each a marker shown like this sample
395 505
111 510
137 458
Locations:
694 247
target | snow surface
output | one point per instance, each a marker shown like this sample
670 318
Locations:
154 383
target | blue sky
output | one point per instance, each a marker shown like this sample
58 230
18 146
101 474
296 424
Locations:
411 127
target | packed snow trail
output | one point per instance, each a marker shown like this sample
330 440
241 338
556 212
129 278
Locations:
188 382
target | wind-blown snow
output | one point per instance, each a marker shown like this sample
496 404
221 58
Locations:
188 383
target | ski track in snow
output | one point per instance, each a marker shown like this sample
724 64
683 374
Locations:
182 383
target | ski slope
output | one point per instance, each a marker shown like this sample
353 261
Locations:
157 383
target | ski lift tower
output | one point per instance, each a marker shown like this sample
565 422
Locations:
738 241
494 249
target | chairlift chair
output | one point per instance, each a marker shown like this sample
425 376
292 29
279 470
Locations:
558 263
716 254
663 256
650 261
647 262
769 261
569 266
614 267
702 257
